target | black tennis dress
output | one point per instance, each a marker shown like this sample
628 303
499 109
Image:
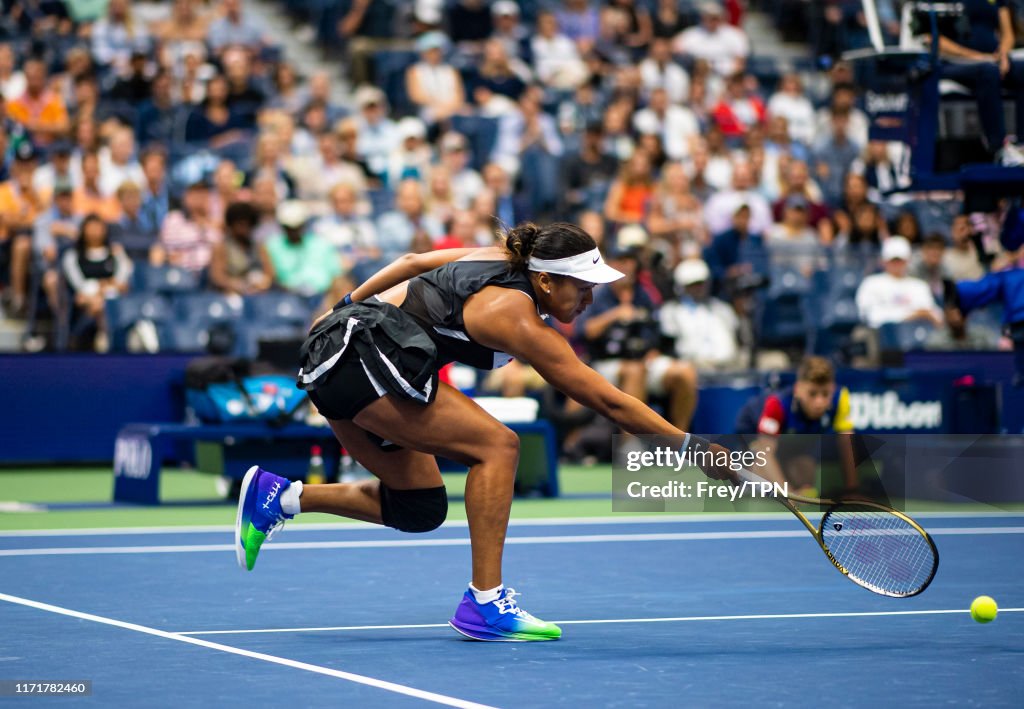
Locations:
362 351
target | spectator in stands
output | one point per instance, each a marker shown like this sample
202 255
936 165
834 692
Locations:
667 21
981 59
906 224
235 29
725 47
89 195
286 95
396 229
732 253
927 264
507 27
41 111
316 177
377 134
269 162
188 235
621 331
508 208
587 171
676 125
54 232
20 205
843 101
461 234
580 21
12 80
867 228
893 296
530 136
961 259
155 195
184 25
135 85
797 181
676 214
410 160
56 169
347 133
877 165
116 36
721 207
245 96
350 233
238 264
439 197
659 70
96 270
630 194
704 329
638 30
118 163
191 76
795 227
263 196
833 156
433 85
556 59
453 152
303 262
497 84
132 231
791 103
160 120
740 108
214 121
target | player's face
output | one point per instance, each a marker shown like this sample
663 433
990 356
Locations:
567 299
814 398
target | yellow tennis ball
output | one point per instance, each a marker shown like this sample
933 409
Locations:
984 609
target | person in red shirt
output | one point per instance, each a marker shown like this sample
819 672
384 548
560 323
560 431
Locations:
740 108
461 234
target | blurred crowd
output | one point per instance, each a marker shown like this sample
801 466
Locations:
738 189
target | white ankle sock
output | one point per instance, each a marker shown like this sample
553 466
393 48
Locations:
486 596
290 498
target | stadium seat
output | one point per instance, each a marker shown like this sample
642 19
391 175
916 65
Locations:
165 279
207 307
277 308
904 336
124 312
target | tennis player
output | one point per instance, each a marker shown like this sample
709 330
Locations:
370 367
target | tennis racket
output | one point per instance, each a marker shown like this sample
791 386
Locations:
875 546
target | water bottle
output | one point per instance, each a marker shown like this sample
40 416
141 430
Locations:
316 476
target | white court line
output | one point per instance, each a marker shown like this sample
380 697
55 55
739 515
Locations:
462 524
340 674
393 543
681 619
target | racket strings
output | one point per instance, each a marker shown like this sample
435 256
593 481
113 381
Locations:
879 550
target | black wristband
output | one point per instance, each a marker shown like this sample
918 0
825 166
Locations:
347 300
695 444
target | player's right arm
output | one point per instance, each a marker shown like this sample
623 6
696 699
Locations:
405 267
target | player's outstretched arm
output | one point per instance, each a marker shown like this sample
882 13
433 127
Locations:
405 267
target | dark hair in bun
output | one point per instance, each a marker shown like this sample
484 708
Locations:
554 241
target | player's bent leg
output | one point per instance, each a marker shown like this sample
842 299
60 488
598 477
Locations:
456 427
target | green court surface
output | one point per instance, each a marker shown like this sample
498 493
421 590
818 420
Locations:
75 498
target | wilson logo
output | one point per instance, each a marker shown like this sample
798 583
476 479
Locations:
881 411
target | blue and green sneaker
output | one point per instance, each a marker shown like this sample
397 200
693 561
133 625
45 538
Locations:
501 620
259 513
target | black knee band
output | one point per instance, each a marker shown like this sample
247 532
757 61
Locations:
413 510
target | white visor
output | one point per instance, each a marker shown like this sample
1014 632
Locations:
588 266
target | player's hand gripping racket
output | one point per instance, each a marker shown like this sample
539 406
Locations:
874 546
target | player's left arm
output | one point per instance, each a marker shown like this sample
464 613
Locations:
405 267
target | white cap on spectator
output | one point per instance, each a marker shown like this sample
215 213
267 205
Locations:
630 236
428 12
431 40
365 95
646 124
691 271
292 214
710 7
896 247
505 7
411 127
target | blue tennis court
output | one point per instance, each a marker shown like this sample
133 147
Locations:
695 611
